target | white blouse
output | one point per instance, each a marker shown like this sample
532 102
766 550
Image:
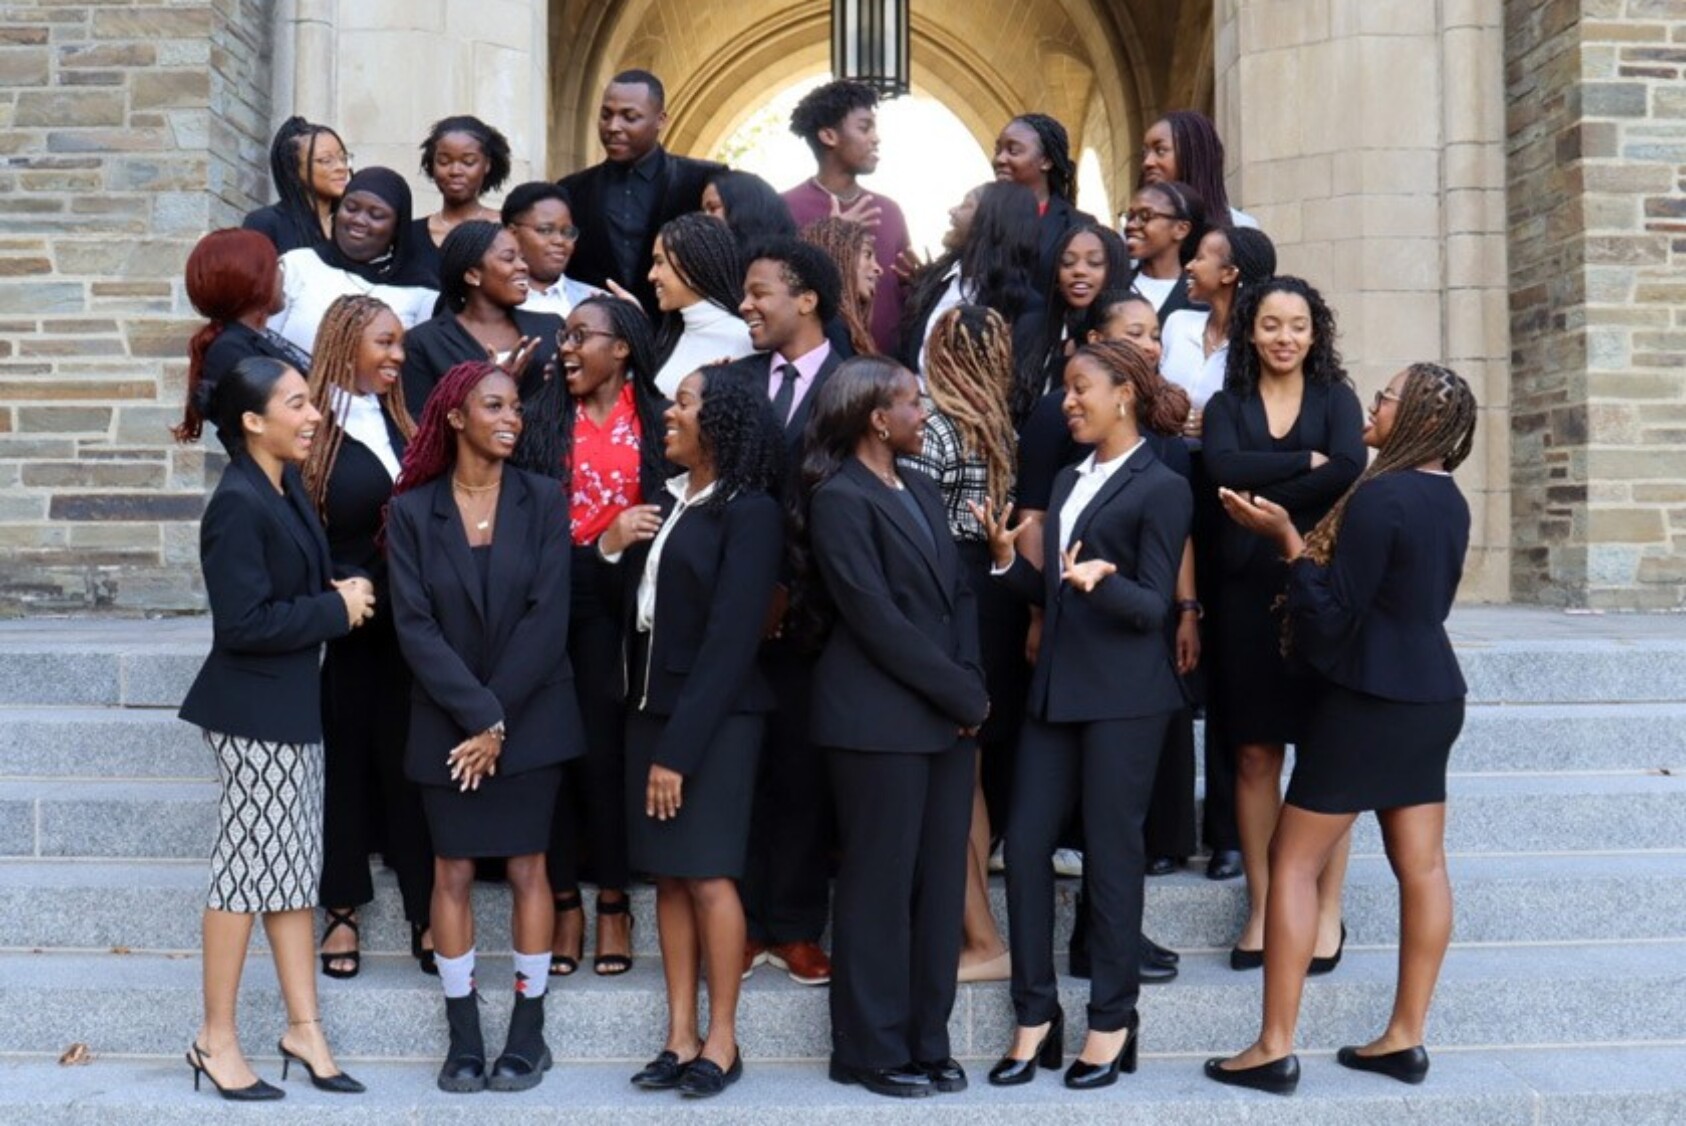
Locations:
711 334
361 417
653 561
1183 359
310 285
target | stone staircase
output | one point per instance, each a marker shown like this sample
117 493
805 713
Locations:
1563 998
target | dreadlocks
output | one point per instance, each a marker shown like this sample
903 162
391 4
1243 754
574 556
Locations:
969 372
433 450
706 256
333 379
844 241
1435 420
1056 146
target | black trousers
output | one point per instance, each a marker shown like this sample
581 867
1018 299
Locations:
1170 812
1003 619
901 896
590 817
1108 766
1218 821
368 804
786 887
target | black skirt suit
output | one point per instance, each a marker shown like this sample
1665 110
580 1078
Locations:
1102 694
898 678
485 650
699 699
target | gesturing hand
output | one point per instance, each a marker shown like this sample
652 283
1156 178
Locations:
865 210
908 264
636 524
663 794
619 290
1263 517
1087 575
519 357
1003 540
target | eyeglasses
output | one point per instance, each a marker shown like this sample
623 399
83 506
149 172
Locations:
1146 215
1384 396
548 231
343 160
574 337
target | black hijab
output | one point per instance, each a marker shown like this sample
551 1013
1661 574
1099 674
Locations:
400 265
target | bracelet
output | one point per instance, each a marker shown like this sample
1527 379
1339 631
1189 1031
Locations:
1191 606
496 731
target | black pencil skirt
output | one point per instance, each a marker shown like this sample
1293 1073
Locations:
710 836
509 815
1362 752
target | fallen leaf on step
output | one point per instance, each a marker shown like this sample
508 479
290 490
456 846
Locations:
121 950
76 1055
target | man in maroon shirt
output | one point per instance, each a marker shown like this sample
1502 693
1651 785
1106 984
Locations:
840 123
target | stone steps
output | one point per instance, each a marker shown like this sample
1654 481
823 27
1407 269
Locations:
1630 1085
153 906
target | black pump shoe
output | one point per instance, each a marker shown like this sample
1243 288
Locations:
1408 1065
257 1092
525 1056
1225 864
1278 1077
464 1069
1012 1072
1081 1076
340 1084
1327 965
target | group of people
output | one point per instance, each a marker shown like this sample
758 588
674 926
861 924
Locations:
658 524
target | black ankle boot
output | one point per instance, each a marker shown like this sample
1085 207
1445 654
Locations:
464 1069
525 1056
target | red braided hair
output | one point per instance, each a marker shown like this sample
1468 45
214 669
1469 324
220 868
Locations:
433 450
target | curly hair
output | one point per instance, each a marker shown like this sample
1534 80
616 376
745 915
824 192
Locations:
1161 406
333 379
1055 143
805 269
826 106
433 451
1322 362
968 372
464 249
844 240
740 434
492 143
706 256
547 439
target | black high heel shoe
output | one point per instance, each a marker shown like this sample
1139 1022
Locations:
258 1092
1278 1077
336 920
341 1084
613 965
1050 1053
1408 1065
1081 1076
561 965
425 958
1327 965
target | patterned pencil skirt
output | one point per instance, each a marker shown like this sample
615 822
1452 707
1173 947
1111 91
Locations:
269 836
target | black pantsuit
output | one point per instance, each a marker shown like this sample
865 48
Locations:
898 679
1170 826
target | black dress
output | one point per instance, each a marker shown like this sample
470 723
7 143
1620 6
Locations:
1372 623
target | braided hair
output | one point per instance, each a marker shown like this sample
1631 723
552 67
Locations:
1251 253
1056 146
298 199
547 439
843 240
968 373
1322 362
1436 419
493 145
1200 158
463 250
333 380
706 256
433 450
1161 406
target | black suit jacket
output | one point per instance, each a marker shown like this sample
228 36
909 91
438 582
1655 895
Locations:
682 180
267 572
758 371
436 346
713 586
901 669
1104 654
358 491
484 655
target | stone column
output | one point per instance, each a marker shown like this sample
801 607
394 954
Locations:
1367 137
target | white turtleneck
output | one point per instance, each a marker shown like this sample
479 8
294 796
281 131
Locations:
711 333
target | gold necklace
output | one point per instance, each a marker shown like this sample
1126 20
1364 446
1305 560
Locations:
474 490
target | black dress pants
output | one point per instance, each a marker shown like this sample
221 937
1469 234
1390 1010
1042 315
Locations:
1108 767
369 805
1170 813
1003 619
901 896
786 887
590 815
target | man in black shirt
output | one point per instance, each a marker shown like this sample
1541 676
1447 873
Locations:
621 203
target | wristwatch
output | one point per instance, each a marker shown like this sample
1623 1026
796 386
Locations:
1191 606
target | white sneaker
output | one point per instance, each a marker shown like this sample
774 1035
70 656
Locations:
998 858
1068 862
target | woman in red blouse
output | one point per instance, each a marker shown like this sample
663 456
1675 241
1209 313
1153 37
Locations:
599 432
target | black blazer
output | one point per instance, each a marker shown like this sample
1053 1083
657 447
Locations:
1240 454
434 347
758 371
713 586
267 572
282 228
1103 654
479 659
237 342
901 669
681 182
358 490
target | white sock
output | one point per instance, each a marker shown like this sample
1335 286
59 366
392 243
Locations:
456 974
532 973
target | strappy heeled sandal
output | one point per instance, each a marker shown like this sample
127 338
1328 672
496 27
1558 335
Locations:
336 920
613 965
561 965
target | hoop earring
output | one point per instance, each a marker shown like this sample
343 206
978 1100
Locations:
883 435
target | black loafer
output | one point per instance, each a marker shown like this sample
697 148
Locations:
661 1073
1224 865
1157 954
904 1082
1162 865
1408 1065
945 1074
703 1078
1152 973
1278 1077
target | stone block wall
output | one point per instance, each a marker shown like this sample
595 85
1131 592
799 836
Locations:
1597 171
113 161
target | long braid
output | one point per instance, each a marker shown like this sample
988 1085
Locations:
1200 159
1056 146
333 376
1436 419
968 372
433 450
844 240
706 256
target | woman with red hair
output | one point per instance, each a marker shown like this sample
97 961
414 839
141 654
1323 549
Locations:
234 280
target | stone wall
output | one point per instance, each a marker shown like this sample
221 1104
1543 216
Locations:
112 162
1597 155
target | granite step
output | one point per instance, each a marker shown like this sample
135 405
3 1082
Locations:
153 906
142 1004
1514 813
1633 1086
113 743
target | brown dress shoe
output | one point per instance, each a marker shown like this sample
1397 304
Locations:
754 953
805 962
